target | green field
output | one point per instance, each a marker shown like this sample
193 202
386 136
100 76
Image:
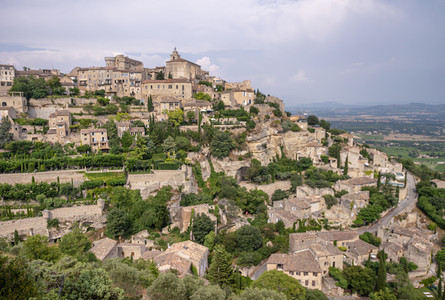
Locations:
105 176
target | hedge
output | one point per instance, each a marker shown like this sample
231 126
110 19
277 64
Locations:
116 182
91 184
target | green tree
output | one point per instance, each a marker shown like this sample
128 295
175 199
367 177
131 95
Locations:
249 238
192 283
345 170
209 240
325 124
280 282
16 281
222 144
55 86
220 271
176 117
202 225
209 292
360 280
169 145
190 116
118 224
384 294
36 247
279 194
74 243
127 139
440 258
167 287
150 106
312 120
261 294
315 295
31 87
5 135
91 283
160 75
381 275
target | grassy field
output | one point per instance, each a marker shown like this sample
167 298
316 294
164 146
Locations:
105 176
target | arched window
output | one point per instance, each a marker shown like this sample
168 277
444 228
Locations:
4 104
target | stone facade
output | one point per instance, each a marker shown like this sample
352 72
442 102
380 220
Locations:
7 75
180 88
97 138
178 67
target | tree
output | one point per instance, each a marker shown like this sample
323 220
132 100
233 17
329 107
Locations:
202 225
118 224
31 87
127 139
279 195
312 120
167 287
315 295
176 117
190 116
55 86
36 247
381 278
360 280
74 243
440 258
249 238
169 145
209 292
192 283
5 135
279 281
160 75
220 271
91 283
183 143
384 294
16 281
345 170
222 144
150 106
261 294
325 124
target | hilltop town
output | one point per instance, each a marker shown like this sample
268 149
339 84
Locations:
173 168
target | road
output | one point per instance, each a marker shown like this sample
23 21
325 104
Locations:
404 206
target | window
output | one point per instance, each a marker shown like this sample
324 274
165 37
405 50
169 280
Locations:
170 86
306 273
306 282
313 282
279 266
315 274
291 273
297 273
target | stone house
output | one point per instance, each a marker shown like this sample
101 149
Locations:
127 126
186 213
303 240
130 250
271 99
244 85
289 211
104 249
97 138
15 100
8 112
181 256
419 251
7 76
141 238
394 251
359 251
339 238
301 265
237 97
180 88
59 126
327 256
354 185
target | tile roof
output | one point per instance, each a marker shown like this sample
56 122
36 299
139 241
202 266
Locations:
103 247
168 261
346 235
303 261
360 247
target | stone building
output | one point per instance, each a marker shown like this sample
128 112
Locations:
359 251
8 113
59 126
105 249
181 256
237 97
127 126
7 75
301 265
15 100
97 138
41 73
244 85
178 67
289 211
122 62
180 88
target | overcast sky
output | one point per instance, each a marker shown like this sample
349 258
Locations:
349 51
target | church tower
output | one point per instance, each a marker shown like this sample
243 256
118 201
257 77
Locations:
175 55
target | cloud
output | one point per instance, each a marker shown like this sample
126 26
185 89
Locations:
207 65
299 77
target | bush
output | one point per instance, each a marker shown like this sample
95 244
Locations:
91 184
53 223
116 182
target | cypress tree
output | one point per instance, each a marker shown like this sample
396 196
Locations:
220 271
381 278
16 237
345 170
379 178
439 288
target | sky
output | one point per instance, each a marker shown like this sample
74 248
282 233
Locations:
304 51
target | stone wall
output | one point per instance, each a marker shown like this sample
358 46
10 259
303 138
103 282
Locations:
90 215
149 184
65 176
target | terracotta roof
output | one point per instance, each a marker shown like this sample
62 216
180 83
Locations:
167 261
303 235
167 81
188 250
346 235
393 246
151 254
103 247
301 203
360 247
90 130
303 261
325 249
